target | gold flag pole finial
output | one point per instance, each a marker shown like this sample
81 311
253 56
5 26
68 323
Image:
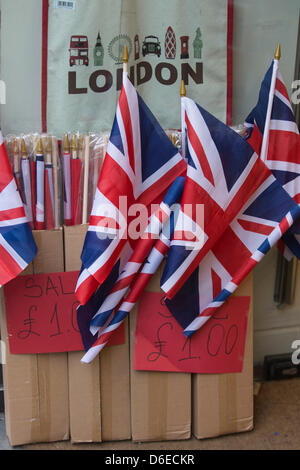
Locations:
15 147
66 143
74 142
125 55
23 147
81 142
39 147
277 54
182 89
49 145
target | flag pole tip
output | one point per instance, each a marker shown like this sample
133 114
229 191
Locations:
23 147
39 147
277 54
49 145
81 142
15 146
66 143
74 142
125 55
182 89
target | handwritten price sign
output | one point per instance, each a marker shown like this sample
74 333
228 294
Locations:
218 347
41 314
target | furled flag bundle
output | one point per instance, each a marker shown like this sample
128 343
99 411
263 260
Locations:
36 168
17 246
232 210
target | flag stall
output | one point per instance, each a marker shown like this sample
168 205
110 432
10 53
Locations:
247 195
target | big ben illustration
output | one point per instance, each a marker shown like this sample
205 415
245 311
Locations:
98 52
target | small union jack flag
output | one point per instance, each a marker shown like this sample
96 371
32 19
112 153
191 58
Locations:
223 172
266 215
265 218
274 135
139 166
17 246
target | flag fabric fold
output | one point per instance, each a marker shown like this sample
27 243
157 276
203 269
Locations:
274 135
139 166
100 307
149 268
17 246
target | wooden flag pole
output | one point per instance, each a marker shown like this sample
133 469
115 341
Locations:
265 142
183 132
125 59
86 179
55 181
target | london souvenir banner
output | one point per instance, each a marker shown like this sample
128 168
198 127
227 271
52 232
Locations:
167 41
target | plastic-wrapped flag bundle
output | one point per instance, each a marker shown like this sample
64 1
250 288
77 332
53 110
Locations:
36 166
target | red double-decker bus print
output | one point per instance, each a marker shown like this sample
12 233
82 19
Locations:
79 50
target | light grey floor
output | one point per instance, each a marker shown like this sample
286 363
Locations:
4 444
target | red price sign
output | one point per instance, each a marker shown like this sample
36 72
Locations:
41 314
218 347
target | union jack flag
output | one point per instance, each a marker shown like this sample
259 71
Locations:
274 135
17 246
98 311
139 165
223 173
269 212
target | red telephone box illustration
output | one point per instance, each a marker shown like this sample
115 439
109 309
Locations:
79 50
184 47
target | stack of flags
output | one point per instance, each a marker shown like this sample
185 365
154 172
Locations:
36 166
238 197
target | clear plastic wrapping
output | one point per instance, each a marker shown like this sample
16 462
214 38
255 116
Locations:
36 167
58 177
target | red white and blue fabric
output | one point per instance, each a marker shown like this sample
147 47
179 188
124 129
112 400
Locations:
139 165
222 174
17 246
142 249
101 306
265 218
273 120
149 268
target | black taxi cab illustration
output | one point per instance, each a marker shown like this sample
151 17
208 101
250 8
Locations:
151 45
79 50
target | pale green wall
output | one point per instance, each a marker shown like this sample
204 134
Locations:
20 46
258 26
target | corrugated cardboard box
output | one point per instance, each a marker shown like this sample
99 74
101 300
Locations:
93 419
36 386
230 396
160 401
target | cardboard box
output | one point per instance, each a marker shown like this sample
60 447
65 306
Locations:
160 401
36 386
84 379
99 392
230 396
